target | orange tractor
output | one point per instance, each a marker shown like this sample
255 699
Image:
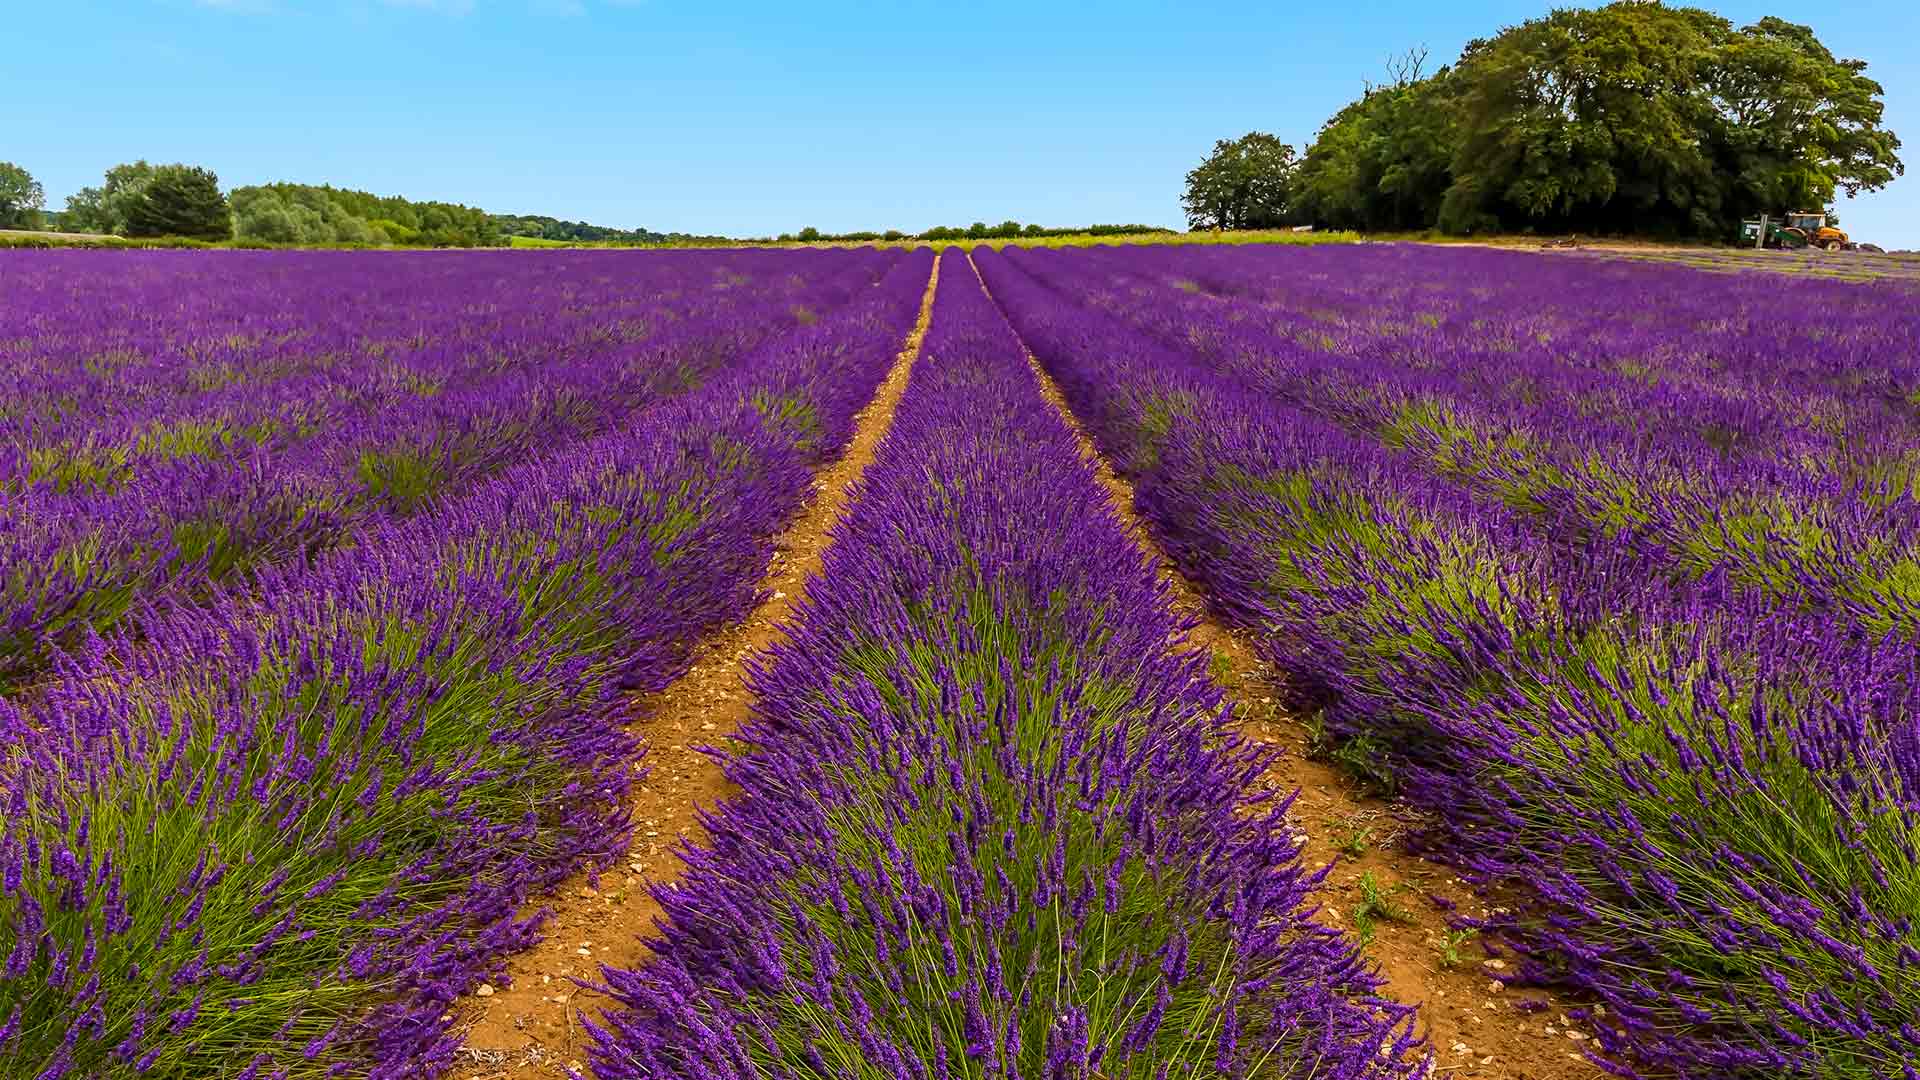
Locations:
1815 232
1802 228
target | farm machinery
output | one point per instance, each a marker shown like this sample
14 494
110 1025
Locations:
1800 229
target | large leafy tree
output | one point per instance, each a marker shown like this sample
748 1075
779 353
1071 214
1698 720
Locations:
1794 125
86 212
178 200
1246 183
106 208
21 198
125 185
1382 163
1633 117
1588 117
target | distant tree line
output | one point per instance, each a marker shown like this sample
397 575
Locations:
979 230
309 214
1631 118
140 200
540 227
144 200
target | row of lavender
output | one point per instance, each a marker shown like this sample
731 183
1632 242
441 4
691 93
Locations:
275 834
1711 797
991 822
288 348
1745 426
201 419
97 347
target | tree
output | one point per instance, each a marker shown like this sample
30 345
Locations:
321 214
260 214
86 212
1384 161
1633 117
1641 117
21 198
125 185
178 200
1795 125
1587 116
1245 183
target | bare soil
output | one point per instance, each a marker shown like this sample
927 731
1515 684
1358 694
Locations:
1477 1027
528 1026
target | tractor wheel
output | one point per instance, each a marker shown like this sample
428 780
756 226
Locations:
1833 245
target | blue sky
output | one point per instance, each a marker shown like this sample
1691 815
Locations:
752 118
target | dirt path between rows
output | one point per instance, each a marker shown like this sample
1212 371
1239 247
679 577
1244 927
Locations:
529 1028
1477 1028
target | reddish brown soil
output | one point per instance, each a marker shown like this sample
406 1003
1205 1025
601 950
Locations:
529 1027
1477 1028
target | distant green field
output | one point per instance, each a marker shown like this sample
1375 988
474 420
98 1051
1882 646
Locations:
25 238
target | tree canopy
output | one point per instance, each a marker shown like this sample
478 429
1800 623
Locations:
541 227
126 203
1246 183
321 214
1635 117
1384 161
142 199
177 200
21 198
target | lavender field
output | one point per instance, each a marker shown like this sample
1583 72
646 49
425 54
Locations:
1610 568
332 582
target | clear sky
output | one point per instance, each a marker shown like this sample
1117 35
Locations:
752 118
